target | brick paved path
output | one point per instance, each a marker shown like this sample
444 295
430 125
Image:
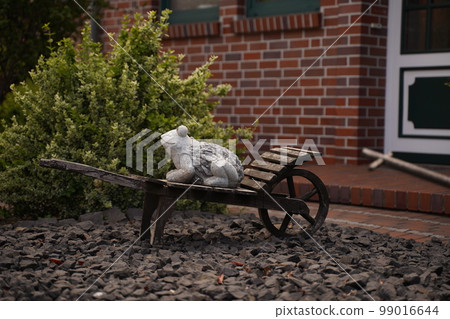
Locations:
410 225
417 226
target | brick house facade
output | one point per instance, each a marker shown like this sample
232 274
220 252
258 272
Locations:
339 100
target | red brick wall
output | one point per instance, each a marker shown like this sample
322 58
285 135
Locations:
111 18
339 102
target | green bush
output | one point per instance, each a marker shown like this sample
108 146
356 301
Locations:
9 108
82 105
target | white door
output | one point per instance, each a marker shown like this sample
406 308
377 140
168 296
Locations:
417 124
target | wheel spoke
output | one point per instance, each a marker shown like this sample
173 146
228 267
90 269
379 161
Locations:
309 218
286 221
291 186
309 194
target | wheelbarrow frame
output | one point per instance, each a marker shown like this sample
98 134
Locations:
255 191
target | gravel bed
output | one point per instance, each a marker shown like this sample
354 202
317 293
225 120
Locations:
213 257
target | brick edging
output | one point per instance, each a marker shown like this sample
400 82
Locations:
390 199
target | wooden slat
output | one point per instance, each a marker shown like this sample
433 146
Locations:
300 155
312 153
285 151
279 159
251 184
239 190
259 175
113 178
267 166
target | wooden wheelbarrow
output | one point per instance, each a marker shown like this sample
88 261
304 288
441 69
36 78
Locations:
287 207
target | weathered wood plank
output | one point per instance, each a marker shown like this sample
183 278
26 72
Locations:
238 190
279 159
132 181
284 151
260 175
251 184
269 167
114 178
312 153
300 155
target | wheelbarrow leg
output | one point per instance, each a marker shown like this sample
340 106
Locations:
151 203
165 208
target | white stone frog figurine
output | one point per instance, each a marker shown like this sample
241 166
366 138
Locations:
213 164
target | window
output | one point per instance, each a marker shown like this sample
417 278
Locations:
192 11
426 26
263 8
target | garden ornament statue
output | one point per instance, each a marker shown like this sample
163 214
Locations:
212 164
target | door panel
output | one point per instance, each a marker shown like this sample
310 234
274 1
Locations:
418 71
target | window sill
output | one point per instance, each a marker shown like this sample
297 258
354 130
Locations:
300 21
191 30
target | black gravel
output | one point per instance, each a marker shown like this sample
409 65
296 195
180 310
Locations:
213 257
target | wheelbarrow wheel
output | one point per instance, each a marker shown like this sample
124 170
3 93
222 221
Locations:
309 188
